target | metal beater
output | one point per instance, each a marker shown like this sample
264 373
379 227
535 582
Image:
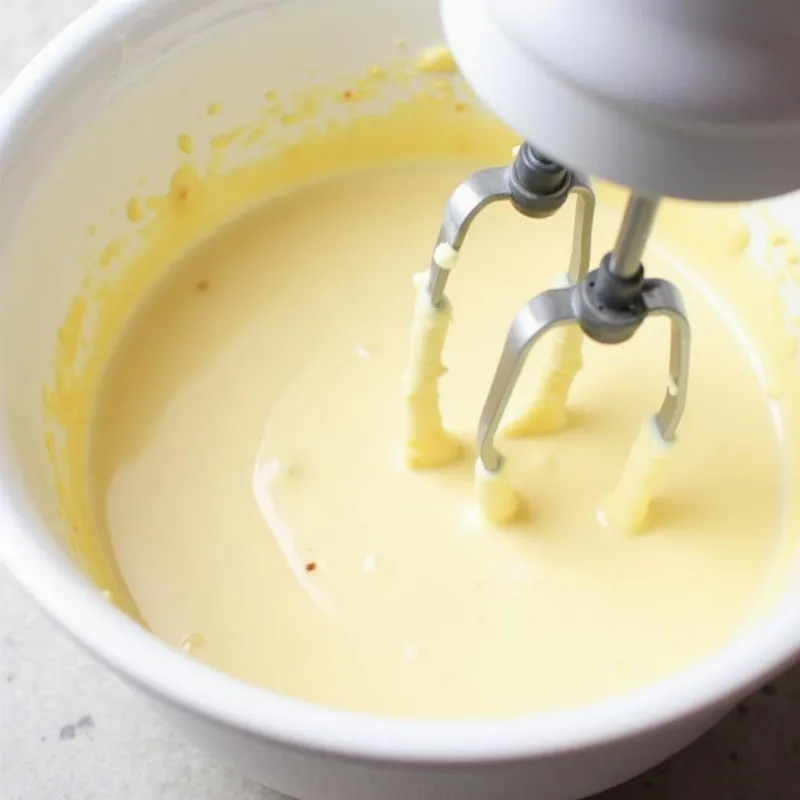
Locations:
609 303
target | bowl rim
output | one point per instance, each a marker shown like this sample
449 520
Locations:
711 685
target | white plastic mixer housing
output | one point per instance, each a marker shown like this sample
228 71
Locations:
678 98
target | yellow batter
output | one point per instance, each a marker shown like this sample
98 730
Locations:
243 445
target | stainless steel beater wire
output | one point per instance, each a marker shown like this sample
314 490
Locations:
634 231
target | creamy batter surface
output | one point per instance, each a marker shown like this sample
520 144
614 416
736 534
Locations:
246 464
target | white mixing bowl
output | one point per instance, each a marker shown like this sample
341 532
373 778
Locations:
101 108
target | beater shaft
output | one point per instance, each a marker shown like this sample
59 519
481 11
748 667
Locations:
626 258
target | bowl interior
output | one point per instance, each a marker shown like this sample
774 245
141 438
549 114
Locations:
107 129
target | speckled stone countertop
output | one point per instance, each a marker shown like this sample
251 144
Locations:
71 731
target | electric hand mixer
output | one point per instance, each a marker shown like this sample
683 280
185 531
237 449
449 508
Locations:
671 98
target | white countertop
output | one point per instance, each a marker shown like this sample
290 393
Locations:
70 731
